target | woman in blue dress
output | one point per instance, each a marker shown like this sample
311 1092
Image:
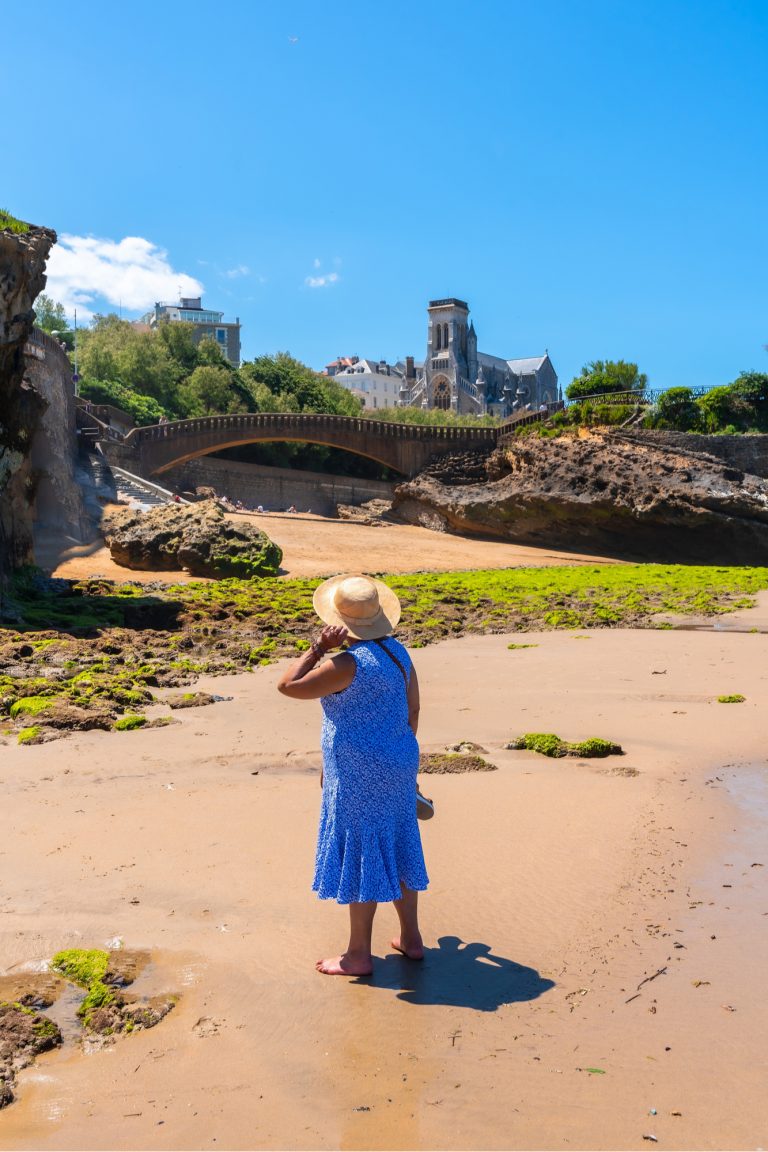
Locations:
368 847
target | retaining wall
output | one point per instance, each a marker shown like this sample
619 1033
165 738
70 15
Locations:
275 488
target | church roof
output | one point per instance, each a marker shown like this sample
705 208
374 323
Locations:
492 361
527 366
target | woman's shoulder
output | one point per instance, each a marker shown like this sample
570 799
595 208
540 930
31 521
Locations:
398 648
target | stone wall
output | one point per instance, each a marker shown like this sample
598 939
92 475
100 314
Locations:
748 453
58 500
274 488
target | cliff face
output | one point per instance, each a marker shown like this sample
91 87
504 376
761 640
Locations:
598 493
22 278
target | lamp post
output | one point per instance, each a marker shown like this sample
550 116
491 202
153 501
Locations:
75 374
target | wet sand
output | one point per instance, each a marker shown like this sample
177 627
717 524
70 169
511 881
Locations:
559 890
319 546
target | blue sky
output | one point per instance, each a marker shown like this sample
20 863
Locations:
590 176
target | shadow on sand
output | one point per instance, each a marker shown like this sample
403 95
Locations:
461 975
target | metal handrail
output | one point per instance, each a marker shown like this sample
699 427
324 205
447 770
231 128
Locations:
640 396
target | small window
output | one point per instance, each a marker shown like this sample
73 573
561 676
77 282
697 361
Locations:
221 335
439 345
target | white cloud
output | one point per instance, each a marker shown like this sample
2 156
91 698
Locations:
86 273
321 281
240 270
316 263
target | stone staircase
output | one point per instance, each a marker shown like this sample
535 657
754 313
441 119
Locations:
137 491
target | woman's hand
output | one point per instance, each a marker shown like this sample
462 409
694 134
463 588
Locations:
312 676
333 636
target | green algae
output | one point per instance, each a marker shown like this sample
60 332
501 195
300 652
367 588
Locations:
27 735
83 966
548 744
734 698
128 723
87 968
30 706
177 633
517 647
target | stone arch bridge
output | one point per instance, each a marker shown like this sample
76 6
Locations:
406 448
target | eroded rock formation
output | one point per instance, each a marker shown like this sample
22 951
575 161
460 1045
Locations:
198 537
600 493
22 278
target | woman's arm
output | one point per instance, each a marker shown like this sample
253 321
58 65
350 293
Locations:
413 700
307 679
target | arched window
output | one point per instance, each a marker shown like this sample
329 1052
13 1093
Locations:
439 337
445 335
441 396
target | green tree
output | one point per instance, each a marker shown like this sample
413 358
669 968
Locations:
676 408
115 349
723 408
51 317
753 387
293 387
142 409
601 376
209 390
178 340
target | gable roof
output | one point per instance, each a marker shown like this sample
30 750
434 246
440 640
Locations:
527 366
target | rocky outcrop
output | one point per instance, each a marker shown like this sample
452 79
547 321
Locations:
373 513
22 278
600 493
197 537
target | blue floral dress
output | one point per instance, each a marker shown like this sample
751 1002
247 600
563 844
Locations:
368 843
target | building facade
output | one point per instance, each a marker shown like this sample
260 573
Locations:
454 376
207 324
375 382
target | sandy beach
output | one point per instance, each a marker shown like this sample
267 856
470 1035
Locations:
319 546
595 929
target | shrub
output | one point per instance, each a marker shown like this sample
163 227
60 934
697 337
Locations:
678 410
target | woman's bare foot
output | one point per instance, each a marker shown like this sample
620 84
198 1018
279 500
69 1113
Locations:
413 949
348 964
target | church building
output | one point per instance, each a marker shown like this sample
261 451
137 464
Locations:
455 376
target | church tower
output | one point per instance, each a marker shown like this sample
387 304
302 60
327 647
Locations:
446 364
472 353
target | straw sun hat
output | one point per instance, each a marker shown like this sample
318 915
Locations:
365 607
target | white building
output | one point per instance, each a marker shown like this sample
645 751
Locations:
375 382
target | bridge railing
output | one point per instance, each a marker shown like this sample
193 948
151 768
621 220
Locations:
647 396
307 422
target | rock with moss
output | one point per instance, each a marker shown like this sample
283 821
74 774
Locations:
106 1011
198 537
189 699
548 744
734 698
442 763
24 1034
130 723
